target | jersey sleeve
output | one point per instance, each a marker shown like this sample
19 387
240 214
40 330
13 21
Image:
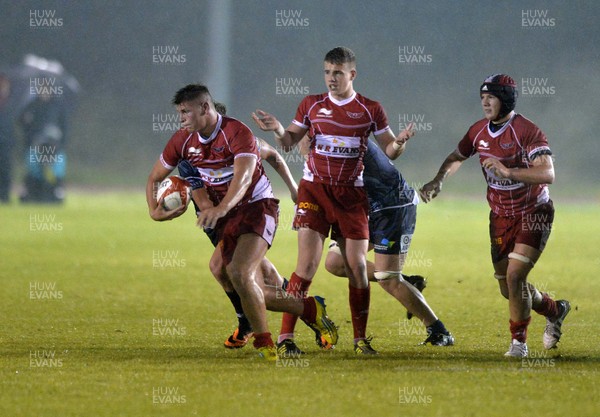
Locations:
244 143
466 146
380 120
536 143
301 119
171 154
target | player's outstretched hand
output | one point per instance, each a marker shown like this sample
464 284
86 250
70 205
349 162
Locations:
160 214
406 134
430 190
265 121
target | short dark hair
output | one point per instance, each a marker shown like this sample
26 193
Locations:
221 108
190 93
340 55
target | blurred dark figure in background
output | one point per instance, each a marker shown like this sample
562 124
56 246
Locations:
37 96
44 124
7 140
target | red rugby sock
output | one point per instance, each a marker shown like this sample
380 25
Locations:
547 306
360 299
262 339
310 310
518 329
297 287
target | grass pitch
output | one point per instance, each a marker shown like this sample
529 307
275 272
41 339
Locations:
107 313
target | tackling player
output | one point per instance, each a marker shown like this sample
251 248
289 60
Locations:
392 220
244 211
517 165
331 194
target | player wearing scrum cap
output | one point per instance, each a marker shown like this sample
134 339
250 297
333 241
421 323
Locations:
517 165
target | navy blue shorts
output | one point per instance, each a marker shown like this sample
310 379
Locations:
391 230
213 236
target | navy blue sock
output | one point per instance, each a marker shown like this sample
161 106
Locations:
243 323
437 327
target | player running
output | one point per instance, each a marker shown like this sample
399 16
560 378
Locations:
331 194
517 165
274 285
244 211
392 220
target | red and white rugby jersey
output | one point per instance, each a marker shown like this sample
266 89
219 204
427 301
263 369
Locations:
338 131
516 144
213 158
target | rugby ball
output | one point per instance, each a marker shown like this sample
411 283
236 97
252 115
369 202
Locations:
176 191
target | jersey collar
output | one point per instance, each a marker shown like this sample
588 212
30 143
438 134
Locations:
342 102
502 129
215 132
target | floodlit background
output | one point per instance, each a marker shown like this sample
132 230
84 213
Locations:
424 61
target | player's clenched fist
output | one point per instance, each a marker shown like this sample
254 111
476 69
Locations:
430 190
496 167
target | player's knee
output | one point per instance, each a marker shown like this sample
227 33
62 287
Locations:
335 248
334 264
239 279
307 269
516 279
502 285
217 270
359 270
269 274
